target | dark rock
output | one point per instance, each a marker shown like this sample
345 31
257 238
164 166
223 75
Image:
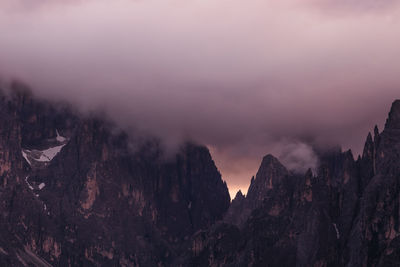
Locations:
74 191
346 215
85 195
393 121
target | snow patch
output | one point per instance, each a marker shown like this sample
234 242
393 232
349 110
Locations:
60 138
45 156
337 231
45 209
26 157
29 185
41 186
48 154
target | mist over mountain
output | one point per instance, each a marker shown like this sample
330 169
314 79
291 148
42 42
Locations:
242 78
75 189
199 133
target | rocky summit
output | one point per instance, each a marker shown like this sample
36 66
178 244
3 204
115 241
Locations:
76 191
346 214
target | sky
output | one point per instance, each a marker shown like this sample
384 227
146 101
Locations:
246 78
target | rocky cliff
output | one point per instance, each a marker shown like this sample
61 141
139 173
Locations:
346 214
76 192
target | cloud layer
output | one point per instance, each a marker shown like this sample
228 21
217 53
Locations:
246 78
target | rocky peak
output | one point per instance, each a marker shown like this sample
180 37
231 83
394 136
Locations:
268 186
239 196
368 146
393 121
65 177
381 152
238 211
269 175
376 132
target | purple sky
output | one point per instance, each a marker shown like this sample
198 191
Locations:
246 78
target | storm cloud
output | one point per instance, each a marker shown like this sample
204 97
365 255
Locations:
246 78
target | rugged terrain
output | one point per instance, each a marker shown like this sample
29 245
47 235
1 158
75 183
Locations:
76 191
345 214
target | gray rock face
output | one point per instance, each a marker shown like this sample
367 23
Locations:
346 215
393 121
269 188
75 193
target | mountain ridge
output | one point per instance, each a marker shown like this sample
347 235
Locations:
93 200
74 192
345 215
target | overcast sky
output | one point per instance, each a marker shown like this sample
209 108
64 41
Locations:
245 77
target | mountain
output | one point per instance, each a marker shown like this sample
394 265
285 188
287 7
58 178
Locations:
74 191
347 214
77 191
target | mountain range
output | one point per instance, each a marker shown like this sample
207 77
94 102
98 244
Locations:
77 191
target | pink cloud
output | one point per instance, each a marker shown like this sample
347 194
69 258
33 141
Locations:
241 77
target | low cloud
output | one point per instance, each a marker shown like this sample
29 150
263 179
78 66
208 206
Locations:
298 157
238 76
357 7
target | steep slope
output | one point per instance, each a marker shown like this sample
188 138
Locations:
375 237
75 192
269 188
346 215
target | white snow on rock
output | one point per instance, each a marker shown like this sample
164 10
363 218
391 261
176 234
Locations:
34 156
29 185
41 186
26 157
48 154
337 231
45 208
60 138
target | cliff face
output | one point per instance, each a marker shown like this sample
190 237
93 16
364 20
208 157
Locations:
375 235
345 215
74 192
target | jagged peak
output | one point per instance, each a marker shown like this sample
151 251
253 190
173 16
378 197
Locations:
393 120
269 163
371 142
269 174
349 154
270 160
252 179
239 196
369 138
270 167
376 130
368 146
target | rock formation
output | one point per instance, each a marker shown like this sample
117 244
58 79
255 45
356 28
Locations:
76 191
347 214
